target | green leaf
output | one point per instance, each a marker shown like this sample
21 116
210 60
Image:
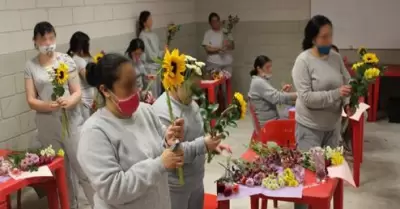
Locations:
232 124
53 96
213 107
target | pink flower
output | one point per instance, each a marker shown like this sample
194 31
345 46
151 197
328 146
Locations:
250 182
24 164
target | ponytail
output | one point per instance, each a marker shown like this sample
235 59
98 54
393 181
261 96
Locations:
253 72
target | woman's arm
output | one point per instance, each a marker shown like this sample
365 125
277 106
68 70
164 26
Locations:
207 45
270 94
98 159
151 52
33 102
303 84
74 85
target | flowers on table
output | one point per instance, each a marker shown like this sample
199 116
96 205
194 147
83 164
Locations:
333 157
366 71
59 78
172 29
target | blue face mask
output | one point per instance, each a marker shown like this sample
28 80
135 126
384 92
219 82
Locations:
324 50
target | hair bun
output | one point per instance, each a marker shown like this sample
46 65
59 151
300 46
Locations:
92 74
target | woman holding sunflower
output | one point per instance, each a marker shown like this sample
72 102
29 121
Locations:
49 109
191 194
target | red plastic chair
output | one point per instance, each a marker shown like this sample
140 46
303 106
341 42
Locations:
210 201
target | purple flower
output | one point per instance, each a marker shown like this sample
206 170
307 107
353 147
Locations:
250 182
35 159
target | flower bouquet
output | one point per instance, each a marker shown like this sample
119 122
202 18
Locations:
227 29
333 157
59 78
172 29
366 71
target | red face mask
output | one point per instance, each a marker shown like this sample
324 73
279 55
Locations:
129 105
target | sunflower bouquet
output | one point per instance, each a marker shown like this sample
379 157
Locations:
366 71
172 29
59 78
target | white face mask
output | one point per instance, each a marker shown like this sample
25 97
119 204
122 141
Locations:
268 76
47 49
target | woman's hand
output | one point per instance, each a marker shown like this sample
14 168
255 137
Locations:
151 77
286 87
54 106
345 90
148 97
212 142
172 159
223 147
349 111
175 132
65 103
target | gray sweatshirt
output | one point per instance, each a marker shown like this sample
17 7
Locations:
264 97
317 81
193 170
121 157
152 50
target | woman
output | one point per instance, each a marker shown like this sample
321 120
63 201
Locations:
153 50
262 95
190 195
135 52
218 50
79 51
123 152
321 81
39 90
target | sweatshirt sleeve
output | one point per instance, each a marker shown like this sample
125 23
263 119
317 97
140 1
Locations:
271 94
98 159
346 78
303 83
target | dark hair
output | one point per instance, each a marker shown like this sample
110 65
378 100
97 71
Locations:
135 44
335 48
259 63
79 42
42 28
105 72
212 15
143 17
312 29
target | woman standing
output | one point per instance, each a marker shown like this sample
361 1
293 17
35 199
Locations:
191 194
123 151
48 112
153 50
79 51
263 96
321 81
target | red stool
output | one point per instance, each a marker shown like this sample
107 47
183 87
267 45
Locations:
210 201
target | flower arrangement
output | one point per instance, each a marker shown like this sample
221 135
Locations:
59 78
367 70
333 157
172 29
18 162
229 24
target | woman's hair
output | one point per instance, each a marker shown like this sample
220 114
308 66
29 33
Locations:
212 15
143 17
335 48
312 30
106 71
43 28
259 63
79 42
135 44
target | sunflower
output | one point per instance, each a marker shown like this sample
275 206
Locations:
371 73
98 57
370 58
242 104
174 66
61 76
357 65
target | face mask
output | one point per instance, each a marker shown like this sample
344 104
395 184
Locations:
47 49
129 105
268 76
324 50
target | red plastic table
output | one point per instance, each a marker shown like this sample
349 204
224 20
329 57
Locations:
317 196
51 185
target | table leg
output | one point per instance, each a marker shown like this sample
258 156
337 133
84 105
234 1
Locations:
370 102
62 187
356 145
52 196
9 203
376 99
225 204
228 91
338 196
362 121
254 202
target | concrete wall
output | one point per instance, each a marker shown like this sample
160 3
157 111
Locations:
109 23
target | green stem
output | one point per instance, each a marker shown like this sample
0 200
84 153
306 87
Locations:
152 81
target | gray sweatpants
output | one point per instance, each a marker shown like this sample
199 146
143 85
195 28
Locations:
184 199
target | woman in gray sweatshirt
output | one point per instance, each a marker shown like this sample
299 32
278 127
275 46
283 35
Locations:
153 49
123 148
191 194
321 81
262 95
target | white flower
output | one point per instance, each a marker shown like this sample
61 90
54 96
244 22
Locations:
197 70
200 64
224 30
190 58
189 66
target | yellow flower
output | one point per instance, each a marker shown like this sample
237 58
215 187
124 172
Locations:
242 104
371 73
60 153
62 73
357 65
337 158
98 56
370 58
174 66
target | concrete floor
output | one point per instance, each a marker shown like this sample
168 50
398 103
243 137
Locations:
380 182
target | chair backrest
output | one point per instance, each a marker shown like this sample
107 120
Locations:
256 122
281 132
